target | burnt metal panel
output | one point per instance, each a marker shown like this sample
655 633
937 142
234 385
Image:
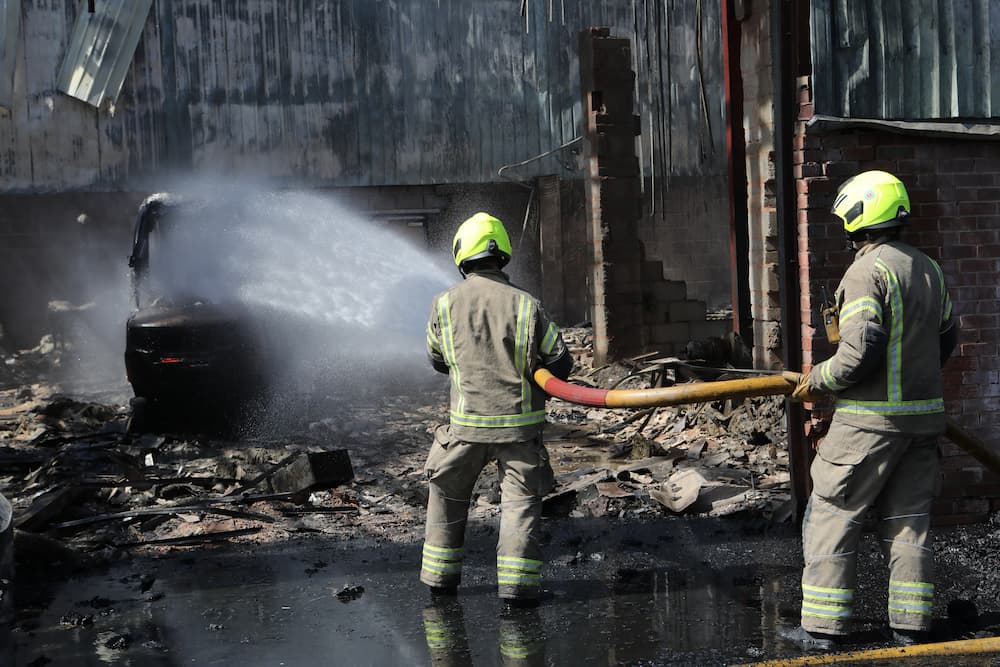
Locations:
906 60
323 93
10 21
101 49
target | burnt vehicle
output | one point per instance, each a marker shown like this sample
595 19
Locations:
193 355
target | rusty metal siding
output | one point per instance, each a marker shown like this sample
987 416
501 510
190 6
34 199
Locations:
896 59
348 92
101 49
10 21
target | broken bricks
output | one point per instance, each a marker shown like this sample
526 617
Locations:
312 470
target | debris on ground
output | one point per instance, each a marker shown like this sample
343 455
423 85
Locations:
709 459
356 464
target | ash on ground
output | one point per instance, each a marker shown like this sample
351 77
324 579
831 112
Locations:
349 466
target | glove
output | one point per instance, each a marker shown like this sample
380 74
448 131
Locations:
804 391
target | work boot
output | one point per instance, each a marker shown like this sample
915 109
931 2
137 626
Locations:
809 640
902 637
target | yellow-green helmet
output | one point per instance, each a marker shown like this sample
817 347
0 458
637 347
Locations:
481 236
871 200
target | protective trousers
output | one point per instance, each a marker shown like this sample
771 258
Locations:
525 477
854 470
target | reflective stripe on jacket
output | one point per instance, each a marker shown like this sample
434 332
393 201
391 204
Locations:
893 307
492 336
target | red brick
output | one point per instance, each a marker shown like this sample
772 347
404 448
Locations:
840 139
840 171
989 335
958 166
981 307
979 391
978 349
989 250
988 279
963 363
959 251
808 170
801 141
988 164
807 155
978 405
980 237
977 208
979 321
860 153
935 209
895 152
987 362
979 265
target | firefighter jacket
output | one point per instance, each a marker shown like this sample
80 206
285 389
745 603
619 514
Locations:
886 372
492 336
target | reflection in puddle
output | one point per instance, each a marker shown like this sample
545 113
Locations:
275 608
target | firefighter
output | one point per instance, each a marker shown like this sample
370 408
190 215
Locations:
896 331
490 337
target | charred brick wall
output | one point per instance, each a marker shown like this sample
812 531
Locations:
612 193
954 187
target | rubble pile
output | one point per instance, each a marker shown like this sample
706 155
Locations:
350 466
710 459
73 472
31 365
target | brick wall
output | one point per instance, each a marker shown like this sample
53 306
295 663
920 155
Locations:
954 187
671 318
687 228
758 124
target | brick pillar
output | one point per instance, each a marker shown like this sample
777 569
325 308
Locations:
612 194
550 236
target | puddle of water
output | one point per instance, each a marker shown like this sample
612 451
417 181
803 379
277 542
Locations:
280 607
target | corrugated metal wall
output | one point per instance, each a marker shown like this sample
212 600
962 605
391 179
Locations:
10 23
906 59
355 92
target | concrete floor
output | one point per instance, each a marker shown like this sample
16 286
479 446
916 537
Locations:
666 592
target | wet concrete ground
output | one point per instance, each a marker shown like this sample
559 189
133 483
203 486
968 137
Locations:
669 592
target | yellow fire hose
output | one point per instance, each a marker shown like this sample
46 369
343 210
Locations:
772 385
701 392
961 647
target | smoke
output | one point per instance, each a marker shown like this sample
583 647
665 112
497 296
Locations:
341 300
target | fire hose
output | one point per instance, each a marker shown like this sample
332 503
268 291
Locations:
770 385
702 392
952 648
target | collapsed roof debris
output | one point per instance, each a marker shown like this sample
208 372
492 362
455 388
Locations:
74 473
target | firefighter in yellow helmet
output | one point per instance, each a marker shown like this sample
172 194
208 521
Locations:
896 332
489 337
